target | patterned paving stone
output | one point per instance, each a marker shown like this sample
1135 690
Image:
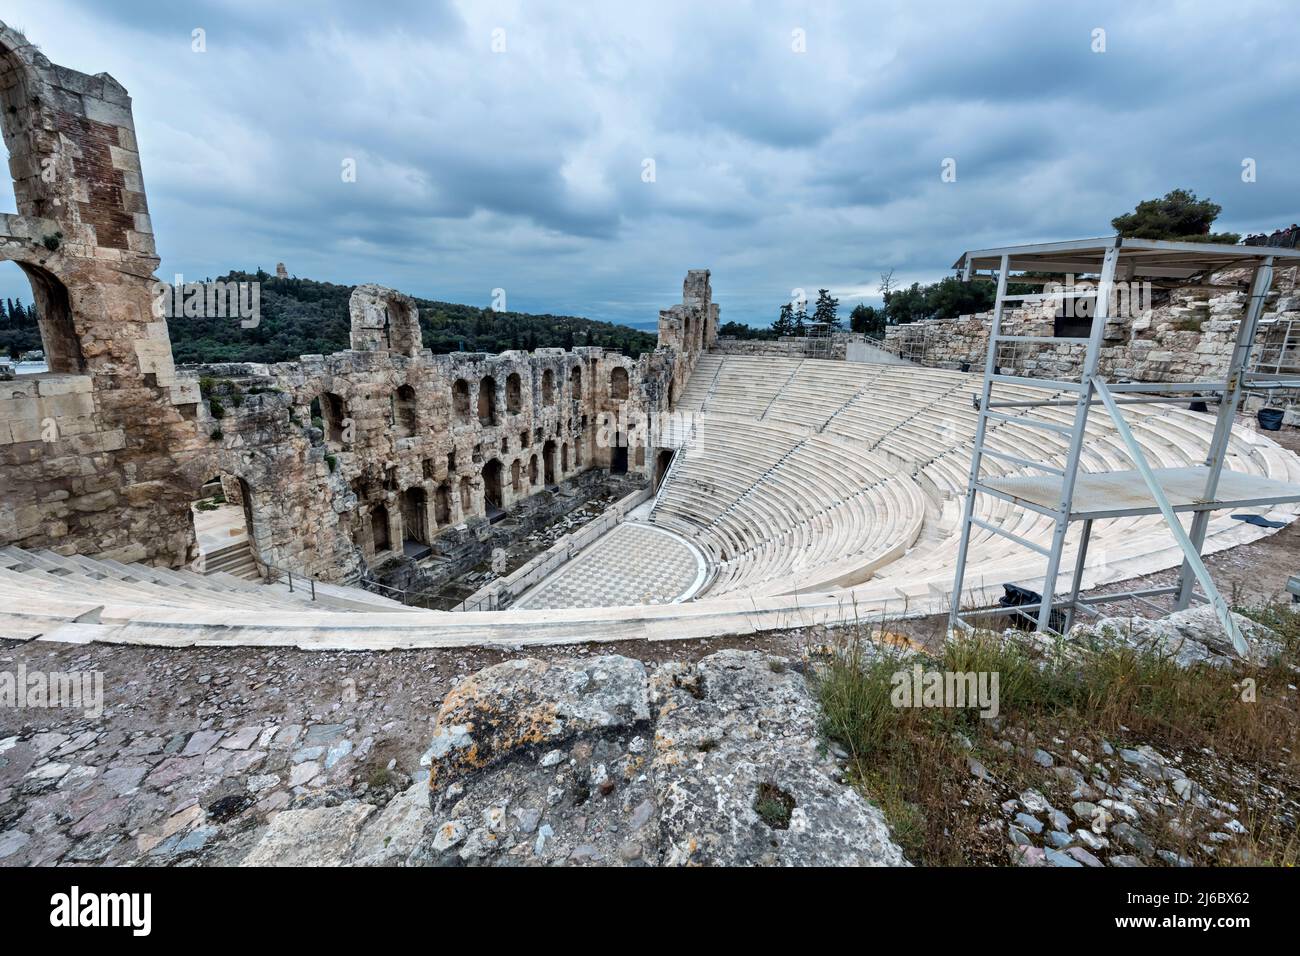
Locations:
633 564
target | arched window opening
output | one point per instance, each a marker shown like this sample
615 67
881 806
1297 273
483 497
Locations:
442 504
493 499
334 413
404 423
618 383
379 529
460 401
487 401
415 520
548 462
40 334
514 393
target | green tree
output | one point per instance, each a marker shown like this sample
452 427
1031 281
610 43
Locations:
784 324
826 311
1179 215
868 320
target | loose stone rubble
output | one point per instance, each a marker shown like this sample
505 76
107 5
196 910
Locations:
1120 807
1192 636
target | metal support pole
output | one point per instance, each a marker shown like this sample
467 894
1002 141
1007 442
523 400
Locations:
1190 553
1077 582
977 450
1259 287
1105 284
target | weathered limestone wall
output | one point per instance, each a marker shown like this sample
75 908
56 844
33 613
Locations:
404 447
1188 338
87 451
791 346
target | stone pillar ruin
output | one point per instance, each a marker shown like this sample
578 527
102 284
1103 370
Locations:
111 399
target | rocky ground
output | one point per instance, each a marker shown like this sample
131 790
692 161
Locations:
196 743
686 754
1122 806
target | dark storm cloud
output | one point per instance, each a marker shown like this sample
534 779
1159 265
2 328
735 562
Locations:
776 169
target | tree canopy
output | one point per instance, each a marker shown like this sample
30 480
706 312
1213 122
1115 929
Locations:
1179 215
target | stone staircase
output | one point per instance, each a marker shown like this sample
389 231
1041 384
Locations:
235 559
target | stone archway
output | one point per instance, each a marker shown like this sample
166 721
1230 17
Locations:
415 515
59 338
460 401
222 515
442 504
493 490
487 401
618 383
662 462
379 529
548 463
514 393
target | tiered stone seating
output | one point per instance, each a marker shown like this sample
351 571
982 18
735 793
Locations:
820 492
47 576
883 463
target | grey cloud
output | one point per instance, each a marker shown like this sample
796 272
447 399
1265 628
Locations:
774 169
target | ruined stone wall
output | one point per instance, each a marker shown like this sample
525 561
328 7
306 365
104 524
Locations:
1188 338
87 451
405 447
790 346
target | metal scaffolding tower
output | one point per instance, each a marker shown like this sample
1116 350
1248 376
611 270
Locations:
1062 491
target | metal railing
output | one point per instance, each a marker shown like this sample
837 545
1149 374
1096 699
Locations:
272 572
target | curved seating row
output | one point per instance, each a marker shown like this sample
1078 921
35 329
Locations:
809 474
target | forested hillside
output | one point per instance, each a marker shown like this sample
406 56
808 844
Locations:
305 317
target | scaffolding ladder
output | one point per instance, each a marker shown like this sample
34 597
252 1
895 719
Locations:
1064 493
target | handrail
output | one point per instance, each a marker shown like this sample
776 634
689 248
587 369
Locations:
288 573
369 582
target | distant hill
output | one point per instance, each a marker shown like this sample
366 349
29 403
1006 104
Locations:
306 317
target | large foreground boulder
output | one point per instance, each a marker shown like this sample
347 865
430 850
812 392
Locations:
598 762
712 763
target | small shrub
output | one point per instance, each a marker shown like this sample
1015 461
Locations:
216 434
332 462
774 806
218 410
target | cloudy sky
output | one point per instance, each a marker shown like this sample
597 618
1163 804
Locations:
525 167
